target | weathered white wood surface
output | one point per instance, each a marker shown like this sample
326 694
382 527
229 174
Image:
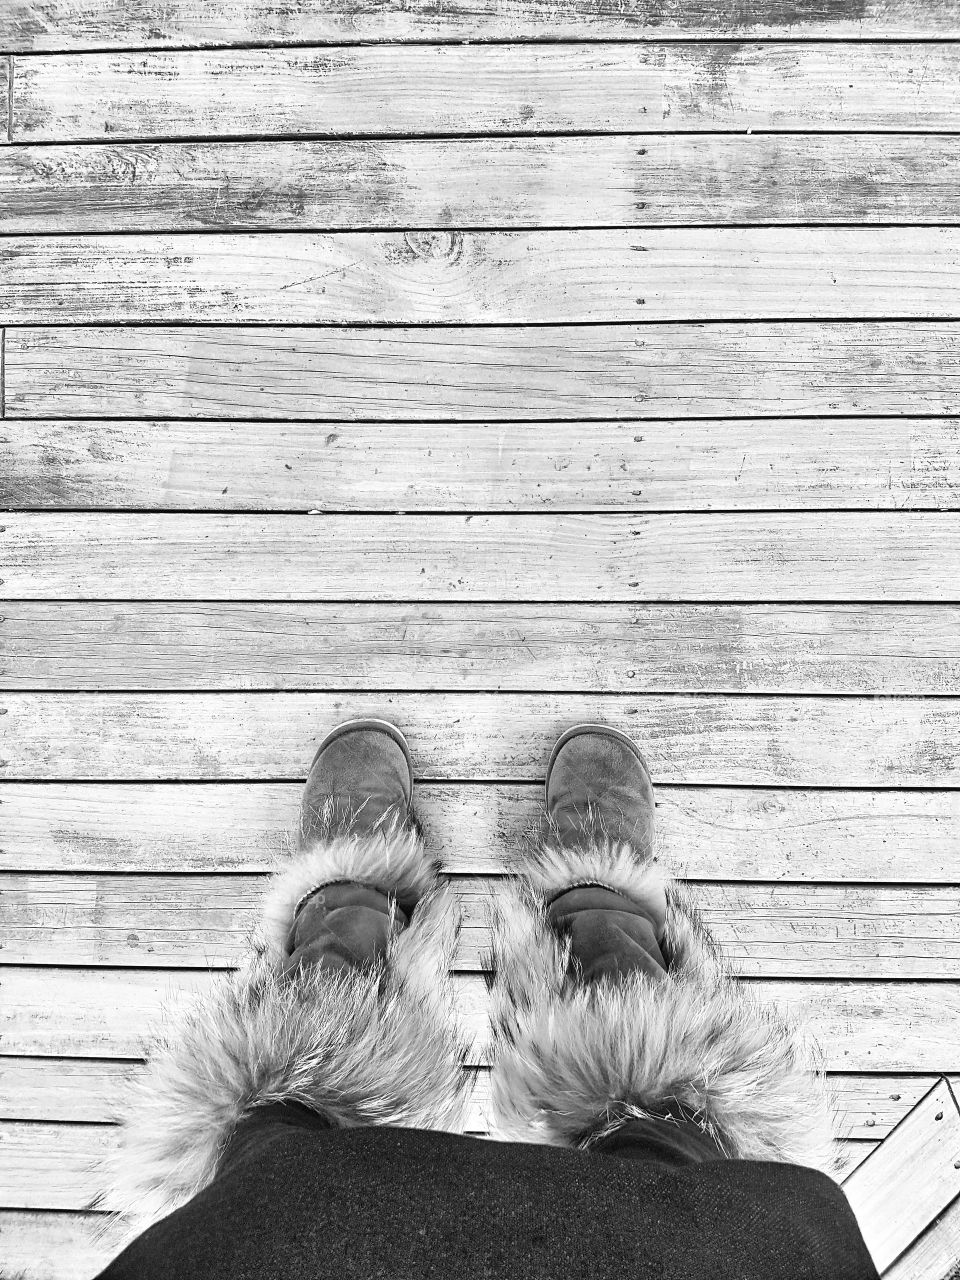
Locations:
687 738
53 1246
867 1026
644 648
882 556
574 372
92 24
865 1107
748 464
483 89
766 931
911 1178
55 1166
703 833
933 1256
629 180
485 277
46 1165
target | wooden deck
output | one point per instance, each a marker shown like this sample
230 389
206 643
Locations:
488 365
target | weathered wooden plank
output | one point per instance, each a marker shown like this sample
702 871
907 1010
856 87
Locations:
91 24
933 1256
572 557
92 1090
485 277
55 1166
703 833
6 80
110 1013
866 1107
638 180
53 1246
483 89
749 464
912 1178
807 649
707 739
491 373
882 556
766 931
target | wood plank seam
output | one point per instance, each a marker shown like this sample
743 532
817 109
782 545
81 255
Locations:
895 1200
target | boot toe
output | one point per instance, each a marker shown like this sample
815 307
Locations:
597 778
366 766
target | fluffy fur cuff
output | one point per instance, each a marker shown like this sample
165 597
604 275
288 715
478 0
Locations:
370 1046
572 1062
391 858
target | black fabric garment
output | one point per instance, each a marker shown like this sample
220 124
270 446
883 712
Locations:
297 1199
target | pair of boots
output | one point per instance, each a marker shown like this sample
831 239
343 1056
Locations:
609 1003
597 784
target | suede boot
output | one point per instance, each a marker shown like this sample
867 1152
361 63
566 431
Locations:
360 783
598 788
343 1008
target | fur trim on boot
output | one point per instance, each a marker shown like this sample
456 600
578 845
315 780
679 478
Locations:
572 1062
391 858
377 1045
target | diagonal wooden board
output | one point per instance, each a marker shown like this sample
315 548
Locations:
910 1178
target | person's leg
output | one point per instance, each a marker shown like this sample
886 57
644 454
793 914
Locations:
342 1015
616 1024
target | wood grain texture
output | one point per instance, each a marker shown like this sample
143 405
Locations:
703 833
485 277
91 24
93 1090
634 180
905 1184
53 1246
749 464
477 89
863 1027
706 739
784 556
653 648
468 374
54 1166
765 931
933 1256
